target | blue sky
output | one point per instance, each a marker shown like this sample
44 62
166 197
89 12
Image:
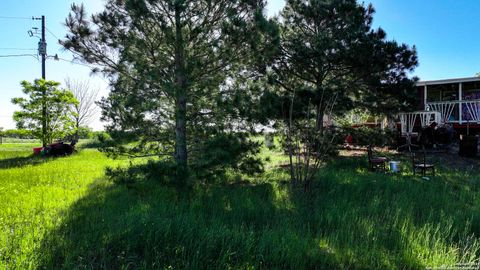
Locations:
445 33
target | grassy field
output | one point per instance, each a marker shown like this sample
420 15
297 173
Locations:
65 214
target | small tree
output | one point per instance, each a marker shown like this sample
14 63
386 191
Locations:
85 109
46 111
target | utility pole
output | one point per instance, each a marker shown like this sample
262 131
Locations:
42 50
42 47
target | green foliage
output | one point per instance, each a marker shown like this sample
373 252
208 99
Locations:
34 191
332 58
99 140
180 68
375 136
18 134
326 143
160 171
213 158
223 151
85 133
330 61
353 117
82 132
101 136
53 123
64 214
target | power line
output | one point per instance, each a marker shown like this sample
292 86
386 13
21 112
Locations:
74 52
70 50
18 49
81 64
17 55
51 33
77 63
16 18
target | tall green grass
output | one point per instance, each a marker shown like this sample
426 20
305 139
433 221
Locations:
35 195
74 218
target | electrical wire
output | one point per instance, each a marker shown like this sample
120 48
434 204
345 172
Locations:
17 55
66 60
70 50
76 63
18 49
75 53
16 18
82 64
51 33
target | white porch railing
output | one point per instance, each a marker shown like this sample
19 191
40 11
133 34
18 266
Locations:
407 120
468 110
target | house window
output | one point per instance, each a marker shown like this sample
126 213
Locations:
434 93
471 90
442 92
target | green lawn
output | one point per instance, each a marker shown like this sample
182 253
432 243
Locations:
63 213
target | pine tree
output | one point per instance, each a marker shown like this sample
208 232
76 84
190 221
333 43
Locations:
329 61
172 64
329 53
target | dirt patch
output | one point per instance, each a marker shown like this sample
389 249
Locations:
454 161
352 153
448 158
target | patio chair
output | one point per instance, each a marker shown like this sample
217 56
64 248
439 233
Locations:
376 162
419 163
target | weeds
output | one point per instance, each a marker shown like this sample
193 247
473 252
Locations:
65 213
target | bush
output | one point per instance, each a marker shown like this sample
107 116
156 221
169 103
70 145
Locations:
85 133
375 136
101 136
162 171
226 151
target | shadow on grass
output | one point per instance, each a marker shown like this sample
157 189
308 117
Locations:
147 226
18 162
352 219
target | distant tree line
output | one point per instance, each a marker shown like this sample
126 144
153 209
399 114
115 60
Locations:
83 133
17 134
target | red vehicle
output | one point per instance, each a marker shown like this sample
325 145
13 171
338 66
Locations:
56 149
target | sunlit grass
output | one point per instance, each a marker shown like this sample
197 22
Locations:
35 193
63 213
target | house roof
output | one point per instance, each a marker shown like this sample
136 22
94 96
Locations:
457 80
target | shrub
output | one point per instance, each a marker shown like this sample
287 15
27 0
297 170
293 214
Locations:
226 151
376 136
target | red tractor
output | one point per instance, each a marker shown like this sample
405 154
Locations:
56 149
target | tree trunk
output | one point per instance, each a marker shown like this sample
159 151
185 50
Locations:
320 107
44 117
290 142
180 100
77 135
319 117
